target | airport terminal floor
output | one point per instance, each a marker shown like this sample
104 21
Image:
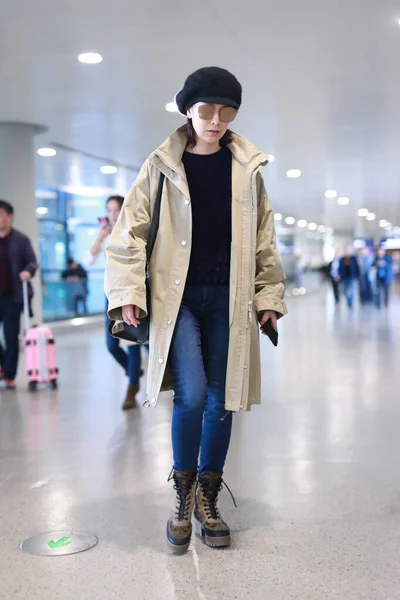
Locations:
315 471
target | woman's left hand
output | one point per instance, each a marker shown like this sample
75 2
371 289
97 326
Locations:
269 315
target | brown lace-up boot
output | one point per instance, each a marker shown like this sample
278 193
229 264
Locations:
209 524
179 528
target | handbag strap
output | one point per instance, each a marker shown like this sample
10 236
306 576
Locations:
155 221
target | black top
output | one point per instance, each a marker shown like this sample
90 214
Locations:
210 185
23 259
79 272
6 281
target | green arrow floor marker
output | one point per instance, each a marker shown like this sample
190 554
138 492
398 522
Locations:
62 542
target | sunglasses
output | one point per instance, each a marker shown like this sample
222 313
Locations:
206 112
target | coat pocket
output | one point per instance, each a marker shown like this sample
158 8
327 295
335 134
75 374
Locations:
233 283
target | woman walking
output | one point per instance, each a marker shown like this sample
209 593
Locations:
215 273
384 277
129 360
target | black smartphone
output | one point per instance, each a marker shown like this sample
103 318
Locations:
271 332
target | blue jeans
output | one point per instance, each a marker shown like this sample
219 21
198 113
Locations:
130 361
198 360
382 286
365 288
348 290
10 316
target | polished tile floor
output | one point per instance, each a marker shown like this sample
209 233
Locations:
315 471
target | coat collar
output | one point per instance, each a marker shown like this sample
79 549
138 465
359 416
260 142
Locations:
244 152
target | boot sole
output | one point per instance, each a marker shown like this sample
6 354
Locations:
210 540
178 548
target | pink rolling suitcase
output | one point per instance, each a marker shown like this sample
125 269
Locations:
40 351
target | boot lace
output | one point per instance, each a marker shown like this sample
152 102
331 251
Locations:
210 490
183 487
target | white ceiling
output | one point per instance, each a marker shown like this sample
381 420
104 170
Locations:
321 84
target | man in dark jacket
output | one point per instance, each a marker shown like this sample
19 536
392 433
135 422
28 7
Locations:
349 272
77 290
17 264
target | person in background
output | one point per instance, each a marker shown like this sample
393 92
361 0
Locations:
349 272
130 360
76 274
298 271
335 277
384 277
365 284
17 264
216 277
2 359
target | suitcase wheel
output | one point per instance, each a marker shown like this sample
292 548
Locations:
32 387
54 384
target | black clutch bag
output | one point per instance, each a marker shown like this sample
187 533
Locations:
140 334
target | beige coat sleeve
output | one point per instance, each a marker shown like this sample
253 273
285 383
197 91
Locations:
270 278
124 280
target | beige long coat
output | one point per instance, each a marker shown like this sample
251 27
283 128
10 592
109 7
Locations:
256 279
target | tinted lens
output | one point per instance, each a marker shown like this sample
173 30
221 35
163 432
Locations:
206 111
228 114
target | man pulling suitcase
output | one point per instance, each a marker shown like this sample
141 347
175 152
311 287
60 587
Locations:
17 264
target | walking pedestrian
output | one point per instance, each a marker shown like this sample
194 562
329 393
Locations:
215 272
129 359
17 264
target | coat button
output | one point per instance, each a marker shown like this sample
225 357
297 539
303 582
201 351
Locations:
161 360
241 407
187 201
177 282
249 302
169 321
245 366
184 243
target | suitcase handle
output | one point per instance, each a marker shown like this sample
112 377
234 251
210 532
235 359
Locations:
26 304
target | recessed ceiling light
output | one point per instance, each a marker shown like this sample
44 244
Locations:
42 210
302 223
271 158
321 229
278 217
290 220
383 223
293 173
363 212
371 217
108 169
343 201
171 107
312 226
330 194
47 152
90 58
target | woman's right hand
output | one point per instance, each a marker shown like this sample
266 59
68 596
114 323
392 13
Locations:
105 230
130 314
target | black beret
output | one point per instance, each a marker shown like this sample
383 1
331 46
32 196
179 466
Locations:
212 85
